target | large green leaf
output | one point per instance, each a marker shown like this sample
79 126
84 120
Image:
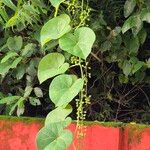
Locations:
55 28
64 88
145 15
129 7
79 43
56 3
53 137
58 115
51 65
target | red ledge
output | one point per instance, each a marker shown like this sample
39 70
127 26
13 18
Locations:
19 134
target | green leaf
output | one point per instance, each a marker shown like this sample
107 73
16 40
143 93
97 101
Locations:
56 3
38 92
15 62
14 43
148 63
21 107
53 137
4 68
79 43
106 46
145 15
8 56
133 22
27 91
64 88
9 4
9 100
137 66
21 70
34 101
142 36
51 65
58 115
132 45
28 50
55 28
127 67
129 7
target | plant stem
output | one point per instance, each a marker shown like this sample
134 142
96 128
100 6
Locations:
56 11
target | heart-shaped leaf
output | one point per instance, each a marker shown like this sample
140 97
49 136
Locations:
58 115
53 137
64 88
79 43
55 28
15 43
56 3
51 65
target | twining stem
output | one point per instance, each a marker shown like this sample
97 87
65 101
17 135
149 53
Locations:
56 11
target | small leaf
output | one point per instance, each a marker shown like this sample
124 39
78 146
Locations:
142 36
148 63
28 50
51 65
53 137
133 44
9 100
4 67
145 15
27 91
106 46
34 101
14 43
9 4
127 67
55 28
8 56
78 44
58 115
56 3
38 92
21 70
21 107
137 66
15 62
20 104
64 88
134 22
129 7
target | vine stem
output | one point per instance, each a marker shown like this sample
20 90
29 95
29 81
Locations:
56 11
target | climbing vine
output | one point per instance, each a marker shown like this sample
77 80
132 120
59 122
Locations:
73 39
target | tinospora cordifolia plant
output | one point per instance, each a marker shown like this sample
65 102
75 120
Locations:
78 42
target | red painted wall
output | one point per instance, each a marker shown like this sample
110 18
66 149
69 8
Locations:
20 135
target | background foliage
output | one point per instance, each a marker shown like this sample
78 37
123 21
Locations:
120 60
